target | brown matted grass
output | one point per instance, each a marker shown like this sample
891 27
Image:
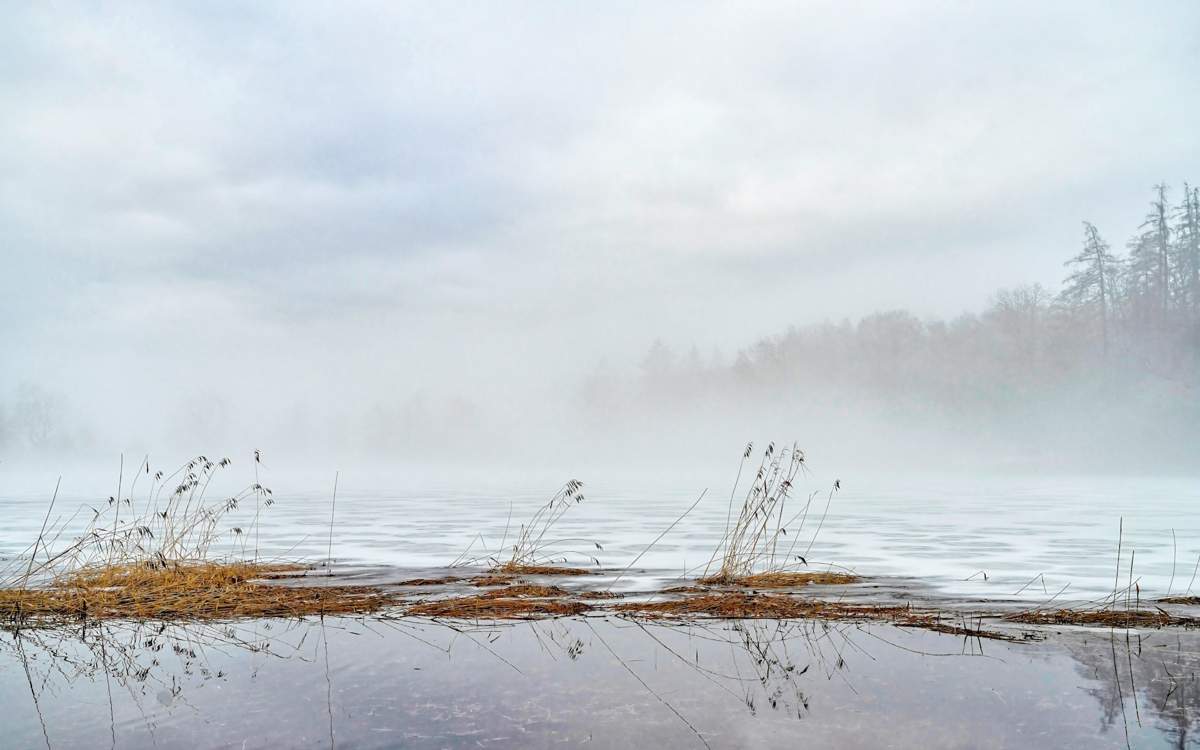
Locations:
750 606
1109 618
429 581
520 569
737 605
230 590
600 595
490 580
523 590
781 580
1189 600
490 607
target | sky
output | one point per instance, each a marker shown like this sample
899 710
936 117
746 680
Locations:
219 207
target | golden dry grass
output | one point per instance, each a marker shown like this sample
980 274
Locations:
203 591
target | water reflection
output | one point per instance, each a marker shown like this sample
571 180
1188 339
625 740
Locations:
607 682
144 667
1159 668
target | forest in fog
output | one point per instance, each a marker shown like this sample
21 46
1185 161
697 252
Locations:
1100 372
1105 368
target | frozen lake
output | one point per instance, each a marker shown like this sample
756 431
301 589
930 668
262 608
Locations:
1031 536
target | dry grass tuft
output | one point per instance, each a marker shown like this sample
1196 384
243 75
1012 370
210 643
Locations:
488 607
198 592
535 550
759 547
782 580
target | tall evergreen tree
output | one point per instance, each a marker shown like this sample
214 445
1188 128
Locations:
1187 252
1092 284
1150 259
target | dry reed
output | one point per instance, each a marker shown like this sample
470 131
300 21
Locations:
535 550
759 543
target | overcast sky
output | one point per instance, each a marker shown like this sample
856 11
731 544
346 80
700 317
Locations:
280 199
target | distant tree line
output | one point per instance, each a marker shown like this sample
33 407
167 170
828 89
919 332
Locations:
1124 331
